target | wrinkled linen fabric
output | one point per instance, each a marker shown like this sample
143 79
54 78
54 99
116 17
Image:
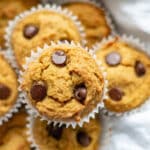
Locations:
131 17
131 132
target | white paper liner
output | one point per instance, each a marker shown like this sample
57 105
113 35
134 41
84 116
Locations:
136 43
15 107
54 8
72 123
31 139
96 3
29 132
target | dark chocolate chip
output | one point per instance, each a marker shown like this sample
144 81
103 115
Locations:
65 39
4 91
80 92
83 138
113 58
54 131
59 58
139 68
38 91
32 148
30 31
116 93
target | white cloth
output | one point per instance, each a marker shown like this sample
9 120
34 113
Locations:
131 17
129 132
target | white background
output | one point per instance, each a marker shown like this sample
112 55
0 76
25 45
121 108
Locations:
129 132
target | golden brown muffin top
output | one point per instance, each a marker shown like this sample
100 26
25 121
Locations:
8 86
69 82
128 71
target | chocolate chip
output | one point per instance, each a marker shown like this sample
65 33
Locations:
113 58
80 92
38 91
59 58
4 91
83 138
54 131
30 31
139 68
116 93
65 39
32 148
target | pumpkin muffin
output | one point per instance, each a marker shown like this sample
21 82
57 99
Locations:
8 10
93 19
12 133
59 138
64 82
128 75
8 87
39 28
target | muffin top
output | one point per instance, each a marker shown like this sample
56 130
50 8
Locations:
93 19
13 133
9 9
8 86
39 28
128 75
64 82
85 138
60 138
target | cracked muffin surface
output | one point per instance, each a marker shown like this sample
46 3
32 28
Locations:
39 28
8 10
8 86
64 82
60 138
128 71
93 19
13 133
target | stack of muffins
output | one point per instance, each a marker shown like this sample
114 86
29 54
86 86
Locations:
59 52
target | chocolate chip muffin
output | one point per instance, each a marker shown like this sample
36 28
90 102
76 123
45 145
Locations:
59 138
8 10
87 137
39 28
8 87
12 133
64 82
93 19
128 75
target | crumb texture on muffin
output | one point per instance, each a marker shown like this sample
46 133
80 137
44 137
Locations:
93 19
68 81
9 9
60 138
13 134
128 75
8 86
40 28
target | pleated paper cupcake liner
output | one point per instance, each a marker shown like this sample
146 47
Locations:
29 133
72 123
15 107
135 42
53 8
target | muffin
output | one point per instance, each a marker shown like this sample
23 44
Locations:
128 75
8 87
59 138
40 27
93 19
13 134
63 82
8 10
